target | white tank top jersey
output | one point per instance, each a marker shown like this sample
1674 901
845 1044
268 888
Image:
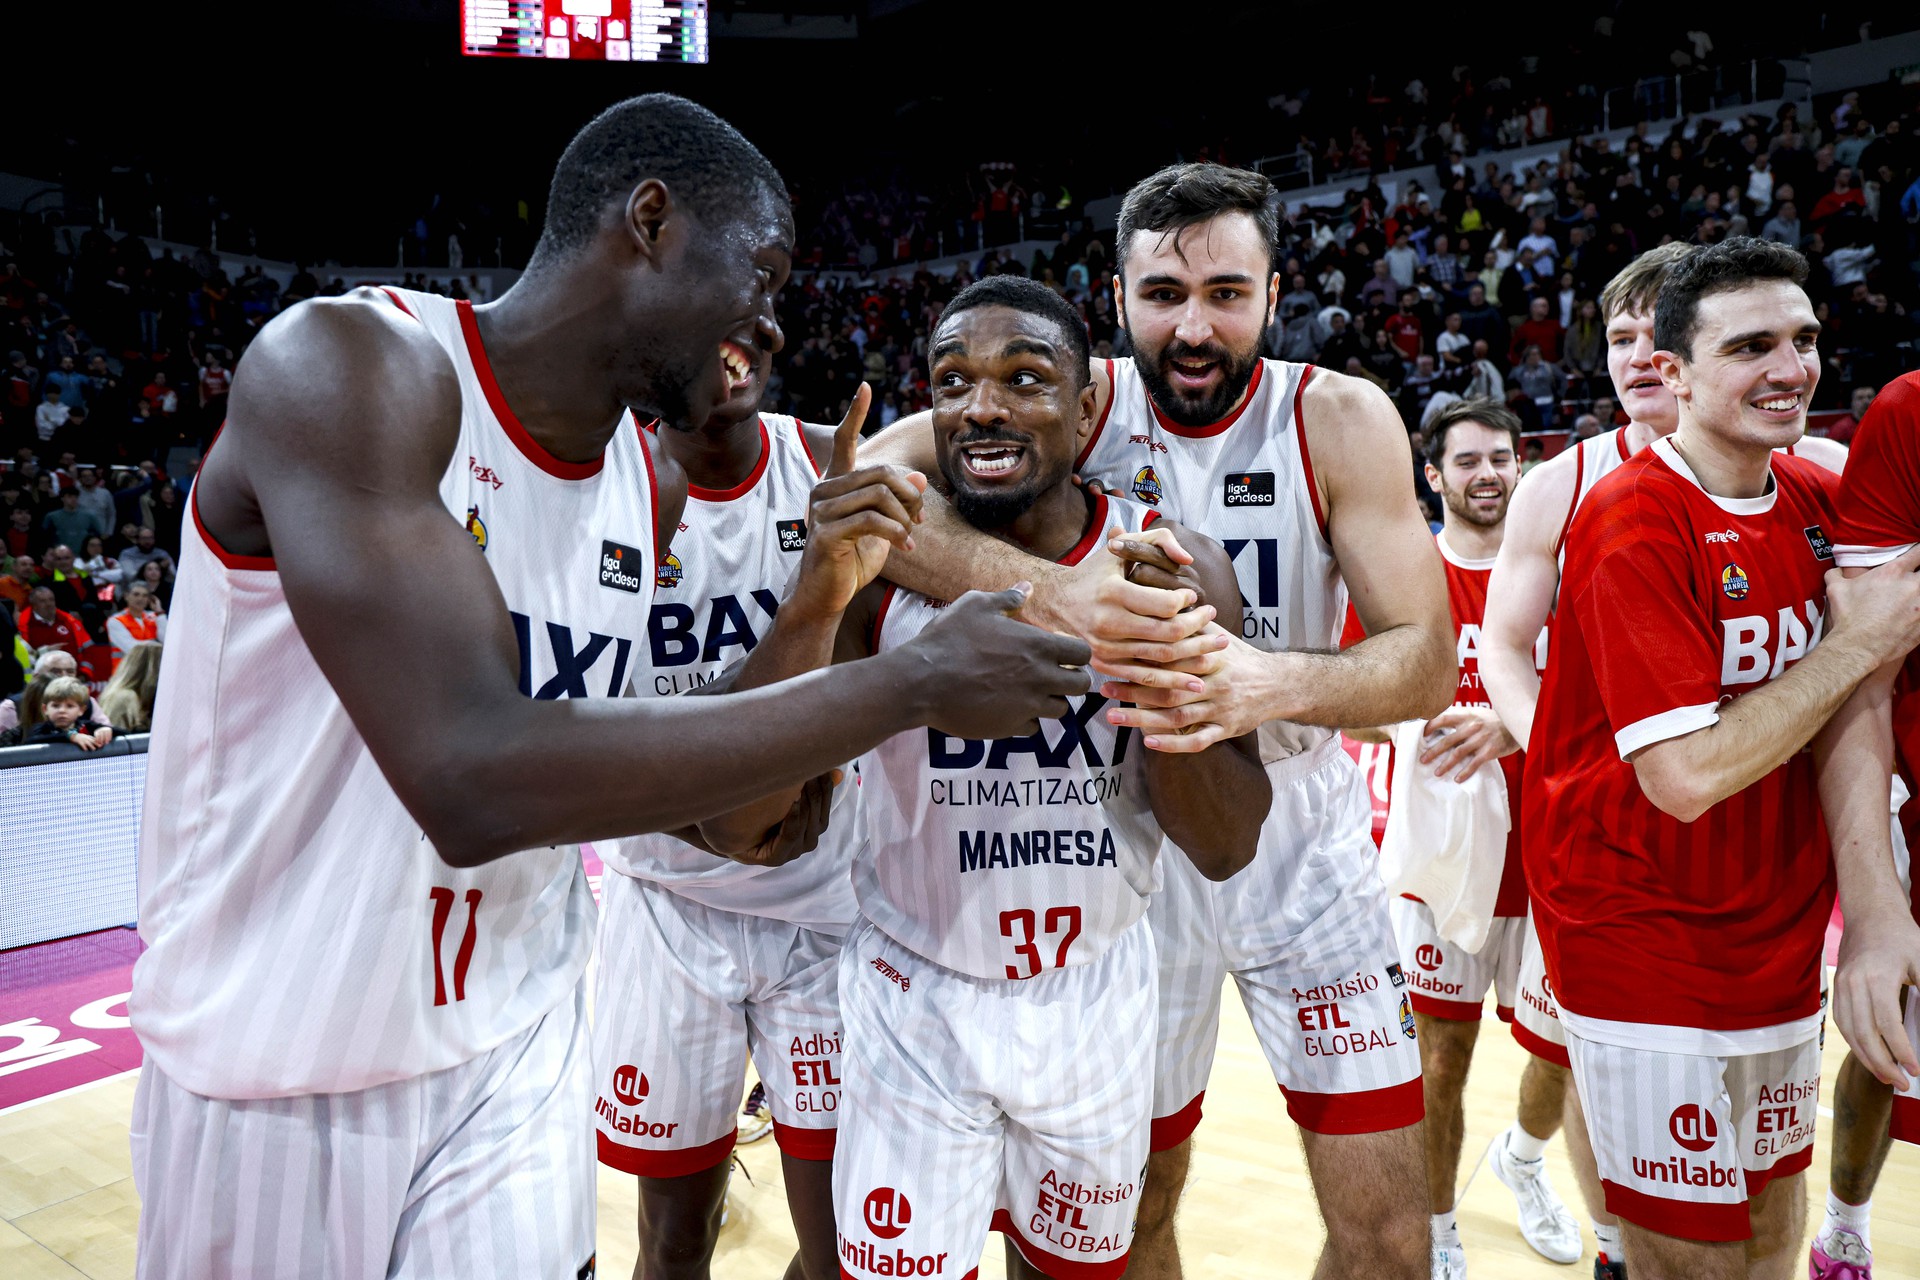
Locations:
1008 858
719 587
1247 482
302 936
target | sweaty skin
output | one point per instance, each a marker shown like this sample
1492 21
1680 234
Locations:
343 421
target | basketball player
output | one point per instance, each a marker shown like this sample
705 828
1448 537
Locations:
739 951
1473 463
1680 877
1880 948
1281 464
1520 600
1000 980
361 1001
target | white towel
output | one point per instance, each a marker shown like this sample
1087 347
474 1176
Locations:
1446 841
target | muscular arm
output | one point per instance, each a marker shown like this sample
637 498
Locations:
1212 803
340 428
1521 591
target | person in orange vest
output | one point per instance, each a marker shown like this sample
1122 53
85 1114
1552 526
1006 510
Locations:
135 624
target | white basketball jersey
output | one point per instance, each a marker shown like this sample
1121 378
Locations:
1247 483
732 558
1593 460
1003 859
303 937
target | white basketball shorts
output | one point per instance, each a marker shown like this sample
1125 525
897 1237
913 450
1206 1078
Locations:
483 1169
976 1104
1536 1016
1327 997
681 993
1448 981
1683 1140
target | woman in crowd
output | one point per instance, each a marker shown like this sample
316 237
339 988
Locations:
136 624
95 562
128 697
160 511
160 582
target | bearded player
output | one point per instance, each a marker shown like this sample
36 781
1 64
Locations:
1001 980
1877 732
366 922
1681 879
1280 463
1473 464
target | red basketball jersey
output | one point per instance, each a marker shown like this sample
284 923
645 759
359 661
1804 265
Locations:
1673 603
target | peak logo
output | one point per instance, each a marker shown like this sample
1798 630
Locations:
1693 1127
887 1212
630 1086
1429 957
621 567
1719 536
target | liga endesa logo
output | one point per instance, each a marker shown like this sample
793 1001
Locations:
630 1086
1693 1127
887 1212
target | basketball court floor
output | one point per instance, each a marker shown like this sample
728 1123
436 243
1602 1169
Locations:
68 1208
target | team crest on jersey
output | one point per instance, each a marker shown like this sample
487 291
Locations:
793 534
1249 489
1146 486
668 574
1817 539
477 527
1406 1019
1733 582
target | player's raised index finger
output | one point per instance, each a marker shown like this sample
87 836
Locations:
846 436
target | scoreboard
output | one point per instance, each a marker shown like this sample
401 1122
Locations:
593 30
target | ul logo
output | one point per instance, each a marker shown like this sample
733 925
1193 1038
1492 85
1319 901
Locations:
1545 986
1693 1127
630 1086
888 1212
1428 956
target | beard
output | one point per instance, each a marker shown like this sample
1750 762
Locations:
1187 410
994 508
1462 506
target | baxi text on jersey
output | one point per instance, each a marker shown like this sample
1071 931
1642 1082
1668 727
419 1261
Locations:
1061 847
945 752
1755 647
1019 792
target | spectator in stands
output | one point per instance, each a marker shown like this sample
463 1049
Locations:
1342 343
128 697
160 511
1298 295
1385 364
158 575
64 706
1380 290
22 576
1843 428
95 498
137 623
1301 337
1482 377
161 395
1404 329
1451 344
52 664
1481 321
94 562
70 383
1537 385
1402 260
44 626
21 537
51 415
1545 248
70 524
72 586
1784 226
1540 329
1845 196
1583 355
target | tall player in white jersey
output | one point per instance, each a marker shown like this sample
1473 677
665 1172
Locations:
741 950
366 921
1281 464
1001 978
1520 601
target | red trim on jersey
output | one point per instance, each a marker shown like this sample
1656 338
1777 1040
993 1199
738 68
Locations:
1051 1264
399 302
1447 1010
1147 521
1113 393
653 493
1620 444
1096 531
799 429
1306 455
1362 1111
220 553
1687 1219
1785 1167
804 1144
497 401
880 618
664 1164
753 477
1504 1012
1541 1047
1573 505
1906 1119
1170 1131
848 1275
1215 428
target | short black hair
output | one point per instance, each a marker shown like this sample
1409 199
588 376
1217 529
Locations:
1488 413
1034 298
1735 261
1185 195
703 160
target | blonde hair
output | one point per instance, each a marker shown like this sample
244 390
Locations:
128 698
1636 289
67 689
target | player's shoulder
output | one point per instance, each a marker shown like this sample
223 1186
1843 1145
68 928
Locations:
324 353
1346 419
1643 497
1891 424
1807 478
814 438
